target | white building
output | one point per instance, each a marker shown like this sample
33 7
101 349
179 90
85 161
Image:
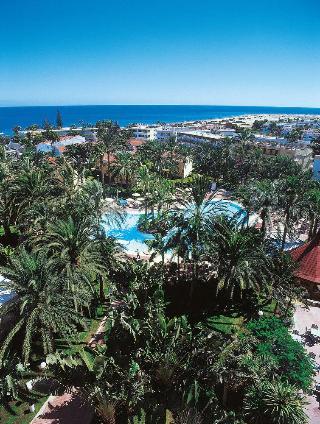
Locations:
227 132
262 138
310 134
198 136
167 133
144 132
88 133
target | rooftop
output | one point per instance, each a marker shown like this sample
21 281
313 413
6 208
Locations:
307 257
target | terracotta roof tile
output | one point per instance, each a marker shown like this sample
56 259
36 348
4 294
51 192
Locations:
308 258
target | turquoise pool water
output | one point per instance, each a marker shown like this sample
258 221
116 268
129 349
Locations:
5 294
129 235
134 240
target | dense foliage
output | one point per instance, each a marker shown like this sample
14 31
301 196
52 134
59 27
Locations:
184 339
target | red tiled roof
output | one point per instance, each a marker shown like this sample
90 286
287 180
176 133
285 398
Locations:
308 258
136 142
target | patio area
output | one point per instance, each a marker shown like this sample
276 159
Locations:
306 319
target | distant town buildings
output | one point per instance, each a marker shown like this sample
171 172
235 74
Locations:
289 135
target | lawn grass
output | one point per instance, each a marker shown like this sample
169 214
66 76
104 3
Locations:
225 324
268 310
229 324
20 413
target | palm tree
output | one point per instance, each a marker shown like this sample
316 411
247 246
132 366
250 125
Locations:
160 193
290 191
260 196
246 136
145 181
242 262
124 166
275 402
10 377
9 211
72 241
285 289
188 228
42 306
311 205
112 257
112 138
191 222
31 191
72 245
81 156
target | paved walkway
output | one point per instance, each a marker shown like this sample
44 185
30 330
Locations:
65 409
303 319
69 408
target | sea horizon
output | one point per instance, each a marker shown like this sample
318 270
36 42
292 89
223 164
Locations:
11 116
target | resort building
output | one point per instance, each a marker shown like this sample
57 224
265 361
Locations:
299 152
227 132
59 147
198 136
167 133
310 134
144 132
88 133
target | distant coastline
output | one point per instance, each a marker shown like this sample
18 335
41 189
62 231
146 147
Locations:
24 116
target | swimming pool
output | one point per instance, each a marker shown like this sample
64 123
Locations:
5 294
134 240
129 235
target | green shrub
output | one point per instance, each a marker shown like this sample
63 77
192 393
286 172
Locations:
290 357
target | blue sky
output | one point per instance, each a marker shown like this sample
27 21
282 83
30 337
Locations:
253 52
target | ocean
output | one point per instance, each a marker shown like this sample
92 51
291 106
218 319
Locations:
126 114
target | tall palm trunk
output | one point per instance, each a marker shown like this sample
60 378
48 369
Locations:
263 217
311 226
7 231
108 160
315 227
101 170
101 289
178 265
285 229
225 395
